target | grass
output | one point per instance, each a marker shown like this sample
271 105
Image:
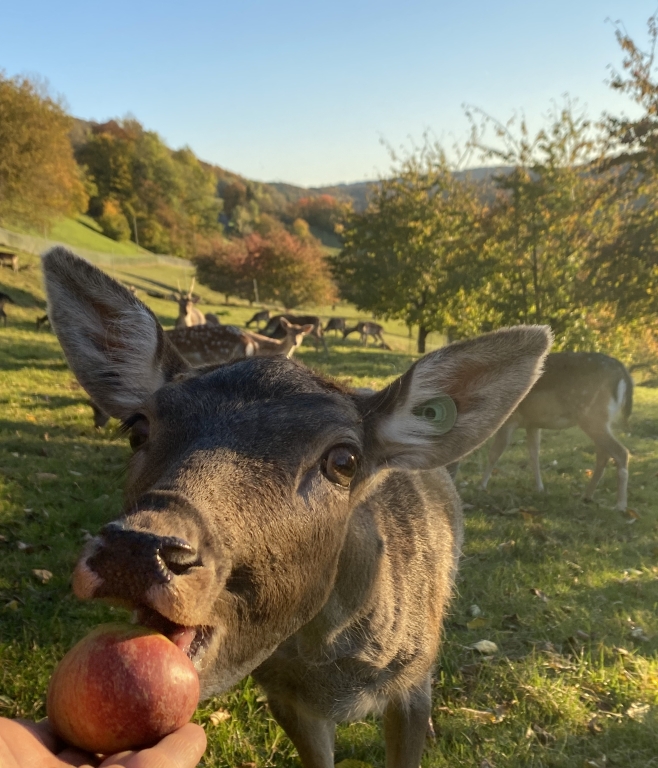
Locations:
84 232
568 592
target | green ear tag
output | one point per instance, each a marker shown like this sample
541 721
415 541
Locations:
440 412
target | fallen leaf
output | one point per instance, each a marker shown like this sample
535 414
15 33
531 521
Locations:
538 593
475 611
31 418
12 605
23 546
638 711
5 701
631 515
485 647
593 725
582 635
507 545
478 623
73 472
42 574
45 476
639 634
483 715
220 716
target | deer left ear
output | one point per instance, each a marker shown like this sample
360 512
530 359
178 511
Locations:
450 401
113 342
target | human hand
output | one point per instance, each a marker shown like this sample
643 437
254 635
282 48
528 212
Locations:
24 744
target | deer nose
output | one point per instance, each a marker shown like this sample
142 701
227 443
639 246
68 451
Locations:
128 562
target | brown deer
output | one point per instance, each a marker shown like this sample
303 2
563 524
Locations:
274 327
212 319
268 347
5 298
586 389
365 329
336 324
188 314
262 316
277 524
211 344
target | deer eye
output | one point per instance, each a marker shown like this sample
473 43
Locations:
139 432
339 465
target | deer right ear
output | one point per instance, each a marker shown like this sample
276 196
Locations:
113 342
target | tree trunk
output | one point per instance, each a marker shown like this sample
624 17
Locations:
423 333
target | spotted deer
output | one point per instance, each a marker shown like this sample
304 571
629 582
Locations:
278 524
365 329
269 347
275 329
188 314
208 344
585 389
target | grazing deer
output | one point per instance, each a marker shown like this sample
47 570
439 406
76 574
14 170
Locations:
259 317
269 347
335 324
277 524
275 329
5 299
211 344
587 389
188 314
365 329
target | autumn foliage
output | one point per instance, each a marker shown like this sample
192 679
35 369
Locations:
288 270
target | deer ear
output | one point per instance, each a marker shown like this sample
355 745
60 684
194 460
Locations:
285 324
113 342
450 401
307 328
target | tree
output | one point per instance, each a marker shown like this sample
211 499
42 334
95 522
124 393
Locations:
39 178
415 247
554 208
288 270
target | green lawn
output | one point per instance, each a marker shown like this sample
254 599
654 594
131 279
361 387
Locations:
568 592
84 232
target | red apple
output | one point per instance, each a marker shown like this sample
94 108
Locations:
121 687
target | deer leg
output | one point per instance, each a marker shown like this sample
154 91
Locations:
313 737
406 727
607 445
500 442
534 438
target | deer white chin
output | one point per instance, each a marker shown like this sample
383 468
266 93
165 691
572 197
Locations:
193 641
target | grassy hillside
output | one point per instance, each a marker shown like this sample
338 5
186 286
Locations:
568 592
84 232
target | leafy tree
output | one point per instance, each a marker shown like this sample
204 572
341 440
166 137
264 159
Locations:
553 209
288 270
415 247
39 179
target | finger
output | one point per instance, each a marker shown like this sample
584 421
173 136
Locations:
42 732
76 758
181 749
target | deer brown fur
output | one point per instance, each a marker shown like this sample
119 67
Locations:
278 524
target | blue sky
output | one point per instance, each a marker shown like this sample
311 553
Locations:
305 92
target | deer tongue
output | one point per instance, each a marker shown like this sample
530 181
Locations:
183 637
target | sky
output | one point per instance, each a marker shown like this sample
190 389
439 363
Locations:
312 93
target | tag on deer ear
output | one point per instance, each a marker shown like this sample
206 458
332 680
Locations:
439 412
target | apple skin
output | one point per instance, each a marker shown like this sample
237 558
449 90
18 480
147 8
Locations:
121 687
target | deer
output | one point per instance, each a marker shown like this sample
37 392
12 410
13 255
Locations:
365 329
269 347
188 314
276 523
262 316
211 318
42 322
5 298
585 389
211 344
275 328
335 324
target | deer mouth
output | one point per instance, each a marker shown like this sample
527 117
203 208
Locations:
193 641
